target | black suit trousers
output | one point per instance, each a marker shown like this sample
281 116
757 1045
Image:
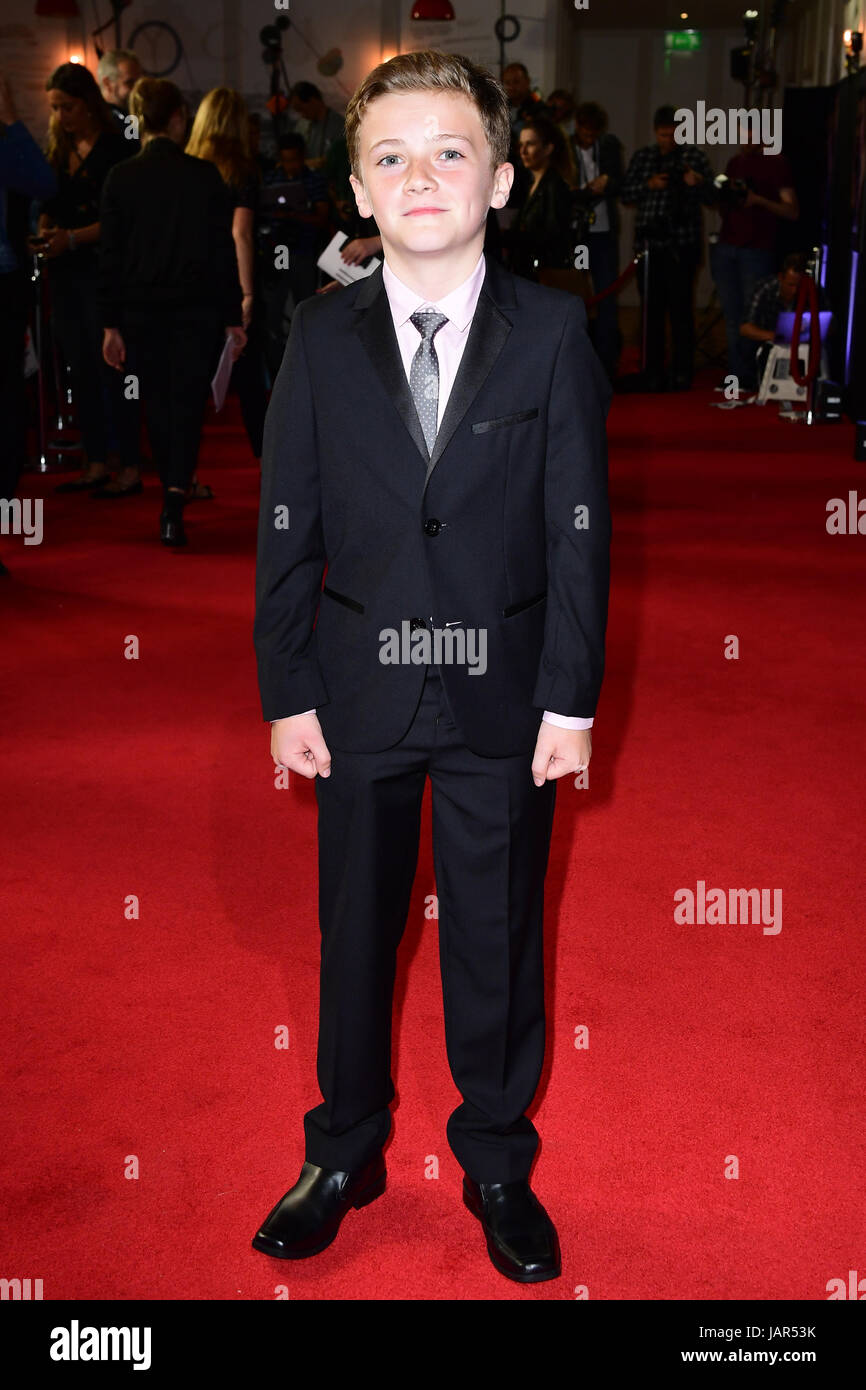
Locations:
491 838
174 353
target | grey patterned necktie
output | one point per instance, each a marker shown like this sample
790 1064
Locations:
424 372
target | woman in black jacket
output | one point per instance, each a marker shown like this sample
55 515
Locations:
540 236
84 144
168 285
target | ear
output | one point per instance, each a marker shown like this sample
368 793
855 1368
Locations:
361 198
502 181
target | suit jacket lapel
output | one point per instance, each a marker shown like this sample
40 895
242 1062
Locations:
488 333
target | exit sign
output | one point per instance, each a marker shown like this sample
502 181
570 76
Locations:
682 40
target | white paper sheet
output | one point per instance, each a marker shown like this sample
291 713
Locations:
332 263
222 376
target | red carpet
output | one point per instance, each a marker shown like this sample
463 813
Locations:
147 1046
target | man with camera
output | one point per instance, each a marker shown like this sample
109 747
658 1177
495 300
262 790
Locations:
668 183
757 190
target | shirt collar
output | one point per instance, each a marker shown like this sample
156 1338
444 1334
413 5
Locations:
458 305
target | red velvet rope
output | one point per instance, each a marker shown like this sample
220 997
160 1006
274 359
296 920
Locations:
617 284
807 286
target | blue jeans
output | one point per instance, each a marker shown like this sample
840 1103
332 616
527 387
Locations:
736 270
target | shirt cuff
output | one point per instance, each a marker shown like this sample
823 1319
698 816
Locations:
291 716
567 721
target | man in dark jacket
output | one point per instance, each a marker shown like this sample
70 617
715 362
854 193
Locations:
598 156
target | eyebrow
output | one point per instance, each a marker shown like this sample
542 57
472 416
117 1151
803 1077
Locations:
442 135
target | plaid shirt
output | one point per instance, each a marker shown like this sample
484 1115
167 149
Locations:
672 215
767 304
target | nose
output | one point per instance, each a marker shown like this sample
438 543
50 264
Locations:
419 174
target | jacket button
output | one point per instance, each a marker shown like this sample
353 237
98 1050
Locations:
432 526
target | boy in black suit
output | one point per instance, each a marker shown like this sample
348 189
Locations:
436 439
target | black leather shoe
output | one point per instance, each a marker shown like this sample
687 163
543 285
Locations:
171 530
308 1218
521 1238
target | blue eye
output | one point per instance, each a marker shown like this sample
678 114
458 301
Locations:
449 161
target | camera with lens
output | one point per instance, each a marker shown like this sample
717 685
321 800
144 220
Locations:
582 213
732 192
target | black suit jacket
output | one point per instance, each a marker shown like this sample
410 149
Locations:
165 237
482 533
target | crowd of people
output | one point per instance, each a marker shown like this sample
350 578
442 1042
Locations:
161 231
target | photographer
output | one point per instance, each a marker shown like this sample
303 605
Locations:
668 183
759 190
774 295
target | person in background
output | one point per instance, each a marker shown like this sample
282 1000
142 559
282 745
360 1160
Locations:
600 163
560 106
668 183
169 293
24 174
84 144
541 235
117 71
319 124
220 134
523 104
774 295
262 161
297 226
746 248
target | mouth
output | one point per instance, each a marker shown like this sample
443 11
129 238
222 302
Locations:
422 212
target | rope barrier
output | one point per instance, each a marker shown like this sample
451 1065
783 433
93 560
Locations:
807 286
618 283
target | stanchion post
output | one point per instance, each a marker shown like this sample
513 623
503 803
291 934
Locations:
41 455
645 306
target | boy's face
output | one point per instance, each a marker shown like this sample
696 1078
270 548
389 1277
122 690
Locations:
425 166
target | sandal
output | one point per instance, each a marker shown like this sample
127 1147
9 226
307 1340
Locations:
199 492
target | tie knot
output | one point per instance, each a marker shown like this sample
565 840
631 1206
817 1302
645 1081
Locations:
428 322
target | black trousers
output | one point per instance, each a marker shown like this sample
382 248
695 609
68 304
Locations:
672 271
174 353
14 310
491 837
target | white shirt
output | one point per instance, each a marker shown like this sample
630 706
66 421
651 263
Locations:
589 165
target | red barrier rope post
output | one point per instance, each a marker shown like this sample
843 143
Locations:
807 286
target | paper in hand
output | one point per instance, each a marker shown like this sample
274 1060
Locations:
222 376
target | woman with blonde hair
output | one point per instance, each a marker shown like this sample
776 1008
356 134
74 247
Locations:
221 134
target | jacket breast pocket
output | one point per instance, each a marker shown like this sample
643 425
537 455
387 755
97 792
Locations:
482 426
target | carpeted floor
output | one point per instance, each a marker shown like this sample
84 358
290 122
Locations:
151 1122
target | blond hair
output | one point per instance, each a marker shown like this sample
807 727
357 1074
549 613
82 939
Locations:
221 134
425 71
